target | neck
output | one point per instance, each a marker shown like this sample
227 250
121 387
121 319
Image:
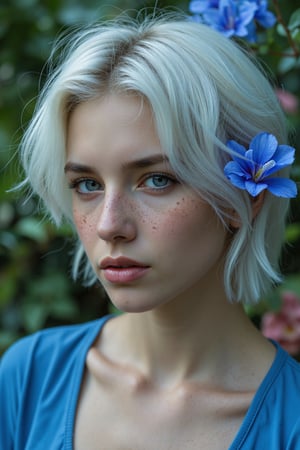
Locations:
186 341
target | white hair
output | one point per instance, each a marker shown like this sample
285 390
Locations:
203 89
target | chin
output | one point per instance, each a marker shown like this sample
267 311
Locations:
133 309
133 306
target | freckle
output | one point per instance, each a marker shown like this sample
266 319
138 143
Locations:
154 228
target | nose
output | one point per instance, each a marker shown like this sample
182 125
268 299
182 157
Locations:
116 220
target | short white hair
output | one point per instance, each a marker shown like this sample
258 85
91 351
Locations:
203 89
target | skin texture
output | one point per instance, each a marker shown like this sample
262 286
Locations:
181 368
169 229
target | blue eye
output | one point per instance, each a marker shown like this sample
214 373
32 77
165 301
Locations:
85 186
158 181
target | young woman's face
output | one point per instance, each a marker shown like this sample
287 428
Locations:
149 238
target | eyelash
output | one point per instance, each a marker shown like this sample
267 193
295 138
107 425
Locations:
166 176
75 185
170 180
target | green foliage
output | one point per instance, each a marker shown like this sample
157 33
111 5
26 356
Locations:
36 287
36 290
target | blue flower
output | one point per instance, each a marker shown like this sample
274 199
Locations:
264 17
251 170
231 17
200 6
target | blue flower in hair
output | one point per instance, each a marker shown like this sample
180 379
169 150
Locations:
251 169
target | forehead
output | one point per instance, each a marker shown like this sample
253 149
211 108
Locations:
124 109
113 126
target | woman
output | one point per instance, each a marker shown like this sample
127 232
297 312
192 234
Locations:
140 140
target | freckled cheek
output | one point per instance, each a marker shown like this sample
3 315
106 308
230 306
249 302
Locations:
172 224
152 221
84 226
171 221
145 217
185 220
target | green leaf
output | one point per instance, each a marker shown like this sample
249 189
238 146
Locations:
6 214
274 301
294 21
263 49
32 228
292 232
281 30
34 316
8 240
8 290
296 35
6 339
49 288
291 283
286 64
64 308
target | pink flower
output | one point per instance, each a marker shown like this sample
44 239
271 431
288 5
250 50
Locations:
288 101
284 326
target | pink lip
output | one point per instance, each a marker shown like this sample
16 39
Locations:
122 269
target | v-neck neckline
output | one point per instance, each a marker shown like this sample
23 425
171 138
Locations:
78 374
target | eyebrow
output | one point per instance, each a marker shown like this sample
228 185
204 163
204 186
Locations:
77 168
138 163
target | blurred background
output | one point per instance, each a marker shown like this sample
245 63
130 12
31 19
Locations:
36 289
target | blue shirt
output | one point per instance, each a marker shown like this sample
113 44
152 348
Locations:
40 379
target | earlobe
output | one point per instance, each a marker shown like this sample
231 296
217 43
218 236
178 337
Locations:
256 203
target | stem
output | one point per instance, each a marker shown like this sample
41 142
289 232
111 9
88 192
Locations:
296 51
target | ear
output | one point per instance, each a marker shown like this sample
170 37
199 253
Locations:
256 202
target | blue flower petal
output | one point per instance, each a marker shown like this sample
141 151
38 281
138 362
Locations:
246 12
236 147
264 17
251 36
264 146
198 6
250 169
234 167
255 189
267 20
246 161
236 180
282 187
284 155
211 17
250 155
